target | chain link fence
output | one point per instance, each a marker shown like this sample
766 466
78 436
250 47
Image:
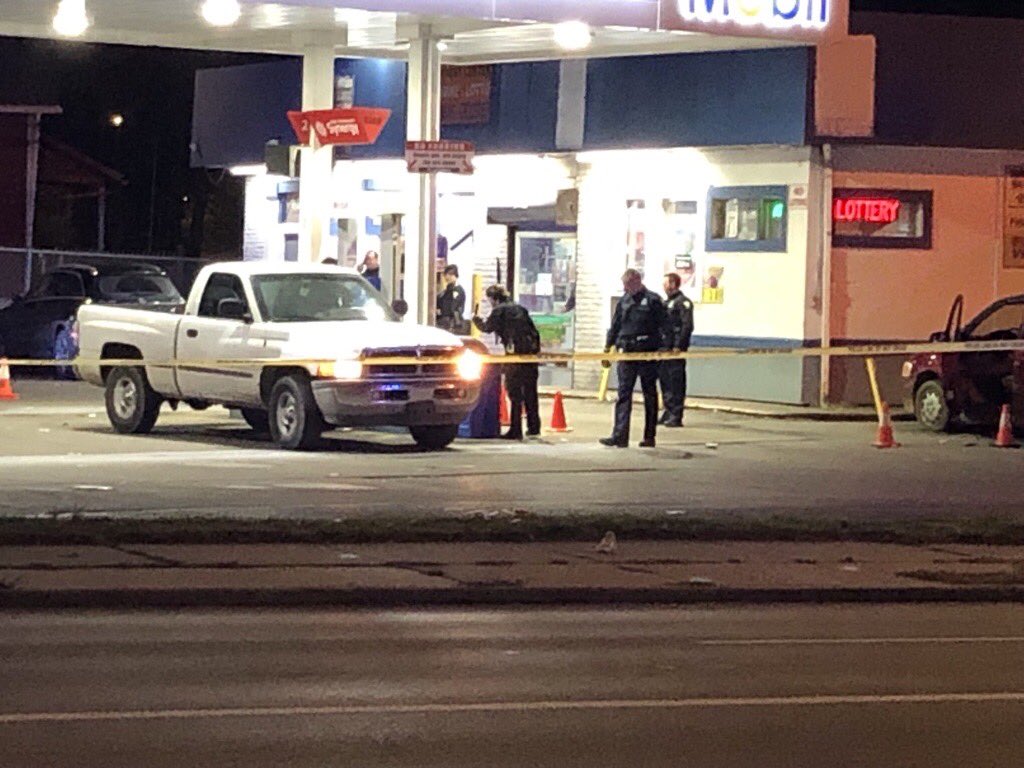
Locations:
22 269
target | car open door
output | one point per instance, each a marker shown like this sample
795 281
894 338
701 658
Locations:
989 378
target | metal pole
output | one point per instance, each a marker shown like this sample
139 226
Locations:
826 273
424 124
316 196
152 198
31 189
101 221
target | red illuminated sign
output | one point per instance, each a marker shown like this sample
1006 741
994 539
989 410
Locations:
872 210
361 125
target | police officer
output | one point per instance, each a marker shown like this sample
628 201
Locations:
675 338
637 327
451 302
516 331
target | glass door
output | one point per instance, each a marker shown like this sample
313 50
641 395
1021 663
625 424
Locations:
546 285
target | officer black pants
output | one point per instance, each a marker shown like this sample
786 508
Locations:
629 371
521 383
673 390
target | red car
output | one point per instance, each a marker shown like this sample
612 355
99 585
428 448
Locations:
970 386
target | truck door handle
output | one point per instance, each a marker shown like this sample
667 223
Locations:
192 333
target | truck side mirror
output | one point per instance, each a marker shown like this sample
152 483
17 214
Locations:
233 309
400 307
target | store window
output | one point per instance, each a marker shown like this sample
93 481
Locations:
747 219
882 218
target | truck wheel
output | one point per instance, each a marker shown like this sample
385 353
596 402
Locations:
434 438
295 420
257 419
931 409
132 405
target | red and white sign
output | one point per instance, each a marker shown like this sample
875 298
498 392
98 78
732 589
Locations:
439 156
873 210
359 125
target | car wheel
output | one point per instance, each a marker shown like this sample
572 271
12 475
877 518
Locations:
64 348
257 419
435 438
295 420
931 408
132 405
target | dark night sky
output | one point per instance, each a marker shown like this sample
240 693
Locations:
153 89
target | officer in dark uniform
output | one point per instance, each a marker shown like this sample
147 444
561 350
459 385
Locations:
637 327
451 303
516 331
676 338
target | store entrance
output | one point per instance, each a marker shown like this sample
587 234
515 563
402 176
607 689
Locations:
545 283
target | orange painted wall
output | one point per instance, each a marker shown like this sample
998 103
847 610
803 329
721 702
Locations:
905 294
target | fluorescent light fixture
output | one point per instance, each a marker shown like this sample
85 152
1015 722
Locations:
221 13
256 169
71 19
573 35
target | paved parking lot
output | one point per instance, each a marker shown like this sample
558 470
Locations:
58 454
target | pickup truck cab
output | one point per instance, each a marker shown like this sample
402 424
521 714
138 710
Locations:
292 347
970 386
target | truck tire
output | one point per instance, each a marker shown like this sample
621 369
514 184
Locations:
435 438
132 405
257 419
295 420
931 408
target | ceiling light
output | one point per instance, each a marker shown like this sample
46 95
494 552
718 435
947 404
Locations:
221 13
70 19
573 35
442 46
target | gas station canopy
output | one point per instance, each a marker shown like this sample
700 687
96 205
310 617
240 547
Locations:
474 31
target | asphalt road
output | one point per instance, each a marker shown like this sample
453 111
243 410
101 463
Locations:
879 686
58 454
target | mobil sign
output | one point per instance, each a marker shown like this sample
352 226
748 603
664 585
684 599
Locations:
810 20
798 19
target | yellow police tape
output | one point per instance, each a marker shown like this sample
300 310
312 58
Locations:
703 353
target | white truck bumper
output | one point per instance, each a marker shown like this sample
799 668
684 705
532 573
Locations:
423 402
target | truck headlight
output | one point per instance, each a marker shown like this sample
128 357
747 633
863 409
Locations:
340 370
470 366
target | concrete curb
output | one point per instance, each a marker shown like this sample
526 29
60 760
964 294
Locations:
174 599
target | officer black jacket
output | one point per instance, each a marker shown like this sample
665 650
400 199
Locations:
678 328
638 323
451 302
513 326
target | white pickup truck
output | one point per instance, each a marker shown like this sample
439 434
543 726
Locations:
233 343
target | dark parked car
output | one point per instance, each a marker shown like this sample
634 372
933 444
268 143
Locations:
40 325
973 386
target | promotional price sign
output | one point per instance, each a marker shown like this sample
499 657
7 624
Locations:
359 125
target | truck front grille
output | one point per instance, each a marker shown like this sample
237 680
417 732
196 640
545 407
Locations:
432 368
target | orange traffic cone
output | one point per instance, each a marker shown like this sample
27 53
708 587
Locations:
6 391
1004 438
504 417
885 438
558 422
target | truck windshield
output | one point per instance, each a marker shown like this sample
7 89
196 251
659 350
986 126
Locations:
298 298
